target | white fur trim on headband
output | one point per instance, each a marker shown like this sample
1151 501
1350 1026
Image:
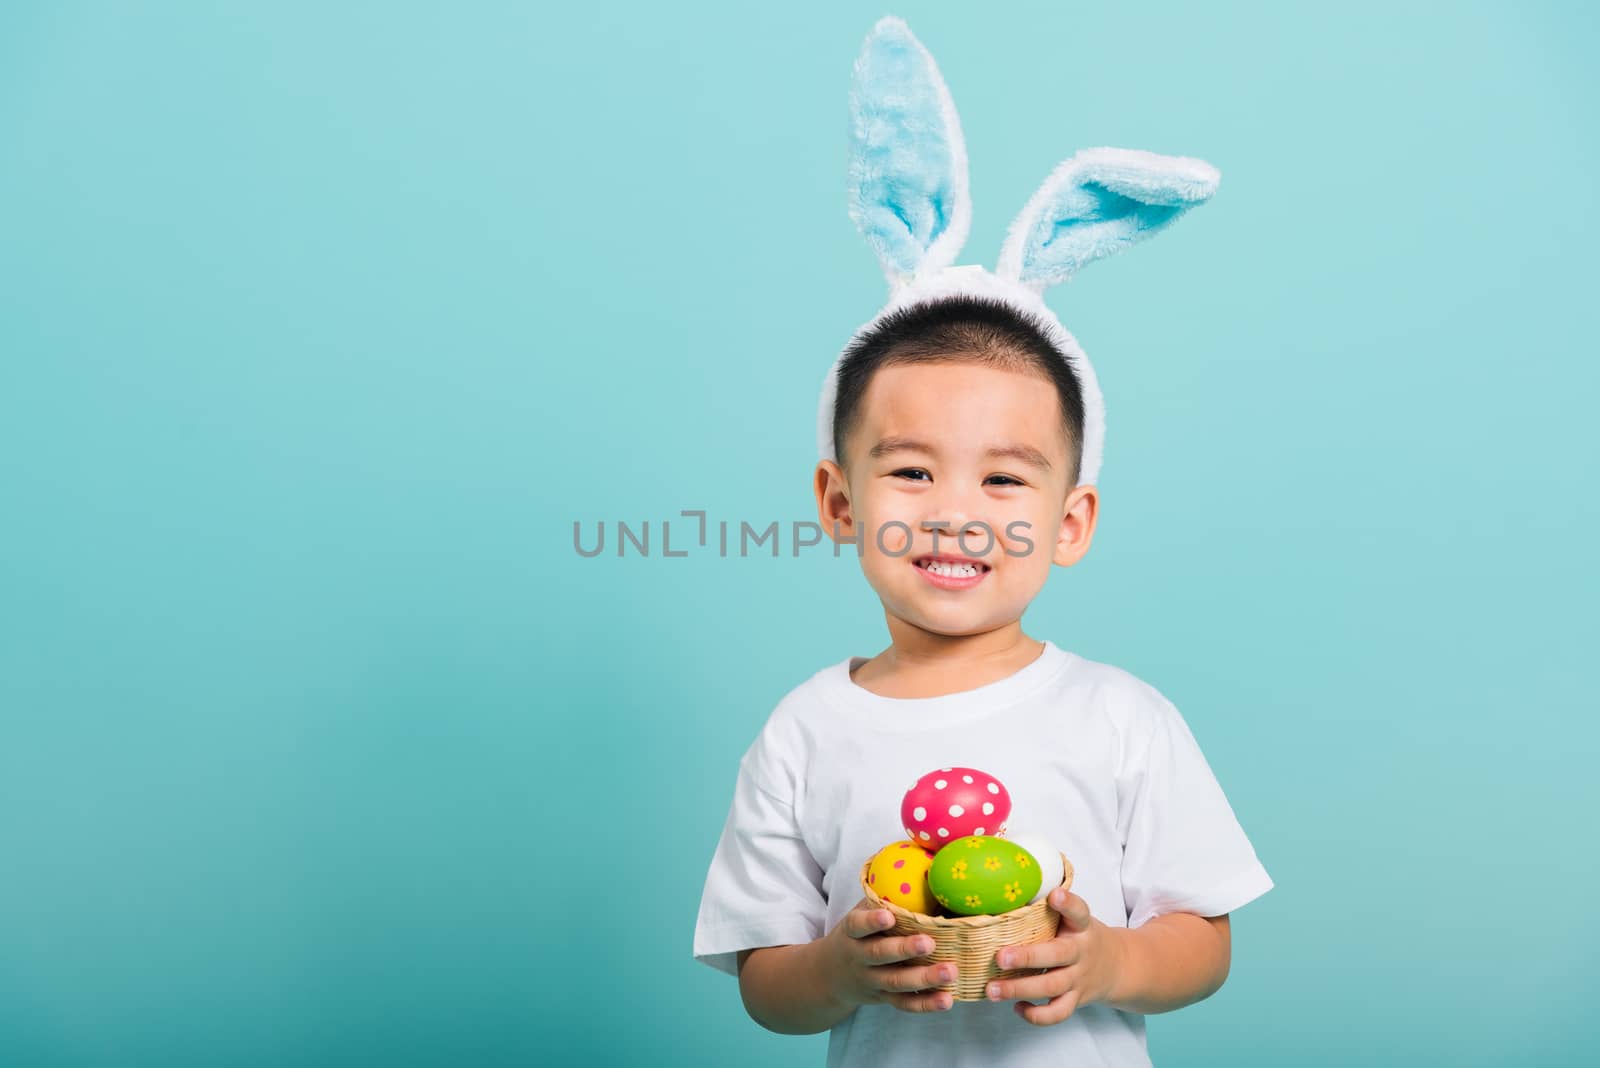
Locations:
973 280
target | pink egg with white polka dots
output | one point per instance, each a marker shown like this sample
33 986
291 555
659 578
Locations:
951 803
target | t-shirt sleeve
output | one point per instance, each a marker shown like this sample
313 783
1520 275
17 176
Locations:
1182 847
764 888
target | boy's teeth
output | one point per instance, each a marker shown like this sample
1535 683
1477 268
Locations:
951 570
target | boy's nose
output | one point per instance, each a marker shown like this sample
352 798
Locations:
947 520
947 527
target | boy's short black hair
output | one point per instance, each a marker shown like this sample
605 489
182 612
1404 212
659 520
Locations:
963 327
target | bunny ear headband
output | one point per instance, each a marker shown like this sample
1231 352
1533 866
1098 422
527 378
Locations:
909 198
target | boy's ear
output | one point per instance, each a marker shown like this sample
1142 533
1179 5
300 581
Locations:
908 164
1098 202
833 499
1077 526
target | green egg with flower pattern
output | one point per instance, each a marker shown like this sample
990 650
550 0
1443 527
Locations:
982 875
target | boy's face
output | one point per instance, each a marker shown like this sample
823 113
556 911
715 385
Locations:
947 446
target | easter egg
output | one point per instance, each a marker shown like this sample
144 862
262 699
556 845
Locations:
982 875
1047 856
951 803
899 873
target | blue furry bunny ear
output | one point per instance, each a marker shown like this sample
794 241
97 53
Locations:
908 165
1098 202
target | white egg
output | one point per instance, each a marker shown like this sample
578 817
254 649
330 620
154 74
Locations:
1048 856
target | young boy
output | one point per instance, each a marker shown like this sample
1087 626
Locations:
960 432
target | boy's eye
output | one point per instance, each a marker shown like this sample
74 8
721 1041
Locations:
917 474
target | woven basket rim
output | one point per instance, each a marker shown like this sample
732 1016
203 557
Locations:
901 912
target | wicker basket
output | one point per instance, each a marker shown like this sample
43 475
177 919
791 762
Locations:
972 941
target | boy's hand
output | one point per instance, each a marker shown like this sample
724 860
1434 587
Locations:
1082 963
862 969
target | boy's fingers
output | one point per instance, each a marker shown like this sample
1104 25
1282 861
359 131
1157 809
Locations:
925 977
862 921
1055 953
1047 983
1054 1011
1073 909
936 1001
889 950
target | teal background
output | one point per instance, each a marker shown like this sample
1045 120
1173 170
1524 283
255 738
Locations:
320 325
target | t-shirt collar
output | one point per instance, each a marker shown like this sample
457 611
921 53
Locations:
909 713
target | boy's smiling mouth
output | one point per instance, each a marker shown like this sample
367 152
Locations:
950 572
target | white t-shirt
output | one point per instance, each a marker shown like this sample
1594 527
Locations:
1096 761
